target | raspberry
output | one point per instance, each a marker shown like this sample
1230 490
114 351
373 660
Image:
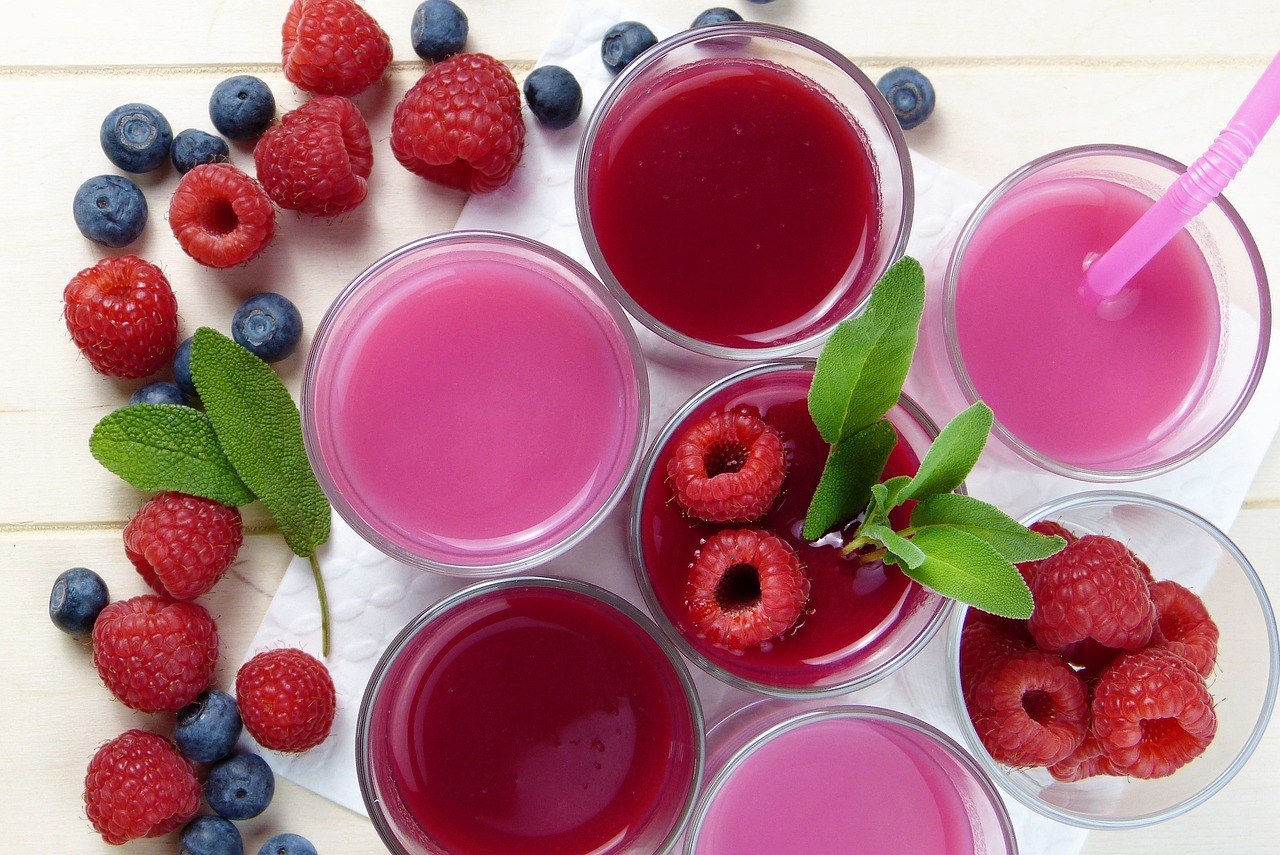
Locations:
333 47
155 655
183 544
138 785
1030 709
1152 713
1183 625
317 159
123 316
221 216
985 640
745 587
1086 761
1091 600
460 125
728 467
286 698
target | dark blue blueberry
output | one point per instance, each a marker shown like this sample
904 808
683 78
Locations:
242 107
439 29
554 96
287 844
192 147
240 786
716 15
210 835
267 325
182 368
624 42
110 210
77 597
207 728
136 137
159 392
909 93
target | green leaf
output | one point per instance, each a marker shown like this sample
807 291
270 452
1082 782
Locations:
963 566
853 466
260 430
1010 538
864 363
952 455
901 551
159 447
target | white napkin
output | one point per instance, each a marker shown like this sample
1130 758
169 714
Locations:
372 596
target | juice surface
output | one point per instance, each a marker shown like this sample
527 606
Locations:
536 722
1079 383
736 204
840 787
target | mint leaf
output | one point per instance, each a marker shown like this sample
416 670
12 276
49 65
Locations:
159 447
1006 535
952 455
853 465
900 550
259 428
864 363
963 566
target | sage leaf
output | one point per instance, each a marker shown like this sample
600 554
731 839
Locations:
853 465
963 566
952 455
901 551
1006 535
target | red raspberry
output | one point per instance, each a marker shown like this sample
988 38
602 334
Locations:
1091 594
286 698
139 785
155 655
123 316
1049 528
460 125
317 159
1152 713
221 216
1030 709
985 640
1086 761
728 467
1183 625
183 544
745 587
333 47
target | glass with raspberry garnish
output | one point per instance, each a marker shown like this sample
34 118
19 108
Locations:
746 597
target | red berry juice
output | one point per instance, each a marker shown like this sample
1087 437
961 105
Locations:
735 202
860 614
533 718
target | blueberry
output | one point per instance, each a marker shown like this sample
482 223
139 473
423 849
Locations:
110 210
182 368
554 96
287 844
192 147
207 728
136 137
716 15
159 392
268 326
77 597
909 93
439 29
624 42
242 107
210 835
239 786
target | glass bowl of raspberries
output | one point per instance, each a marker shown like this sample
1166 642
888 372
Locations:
1144 678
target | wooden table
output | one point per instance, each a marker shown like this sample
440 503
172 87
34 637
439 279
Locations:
1014 79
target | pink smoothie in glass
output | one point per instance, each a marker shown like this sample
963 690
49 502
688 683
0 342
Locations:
1085 384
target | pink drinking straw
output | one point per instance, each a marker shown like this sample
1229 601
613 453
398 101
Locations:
1193 191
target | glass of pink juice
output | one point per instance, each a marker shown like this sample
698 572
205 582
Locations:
474 403
530 715
785 776
863 619
741 188
1123 388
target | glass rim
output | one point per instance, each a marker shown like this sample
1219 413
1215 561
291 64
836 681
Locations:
965 382
503 241
624 608
728 30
